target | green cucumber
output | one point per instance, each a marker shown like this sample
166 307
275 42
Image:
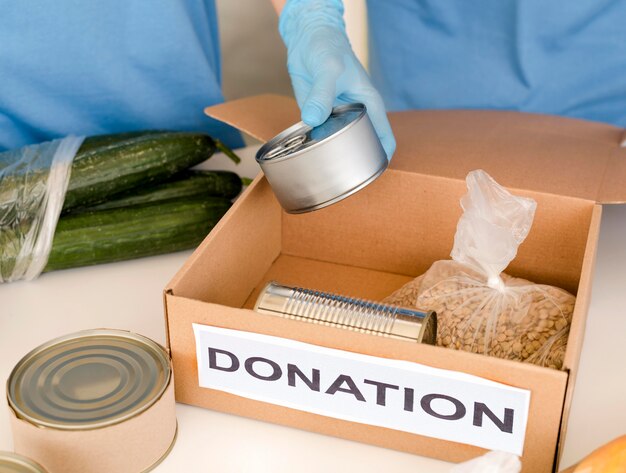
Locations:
132 232
187 184
104 171
98 141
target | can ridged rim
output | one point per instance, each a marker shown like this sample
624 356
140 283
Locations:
301 126
25 463
149 347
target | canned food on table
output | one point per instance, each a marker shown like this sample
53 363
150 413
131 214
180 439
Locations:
98 394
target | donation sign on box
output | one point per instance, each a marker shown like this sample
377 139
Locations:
395 394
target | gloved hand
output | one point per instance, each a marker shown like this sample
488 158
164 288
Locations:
323 68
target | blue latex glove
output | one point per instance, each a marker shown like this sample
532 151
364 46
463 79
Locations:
323 68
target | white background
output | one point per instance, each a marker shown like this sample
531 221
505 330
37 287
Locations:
128 296
253 55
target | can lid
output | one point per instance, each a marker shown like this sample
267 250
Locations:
88 380
302 136
14 463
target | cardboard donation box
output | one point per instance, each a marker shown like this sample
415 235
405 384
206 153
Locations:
398 394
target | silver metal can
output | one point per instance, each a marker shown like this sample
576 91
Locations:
311 168
14 463
348 313
94 394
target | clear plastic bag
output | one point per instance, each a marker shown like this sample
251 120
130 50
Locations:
480 308
33 182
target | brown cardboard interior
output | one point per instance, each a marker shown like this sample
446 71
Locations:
380 238
331 277
369 253
403 222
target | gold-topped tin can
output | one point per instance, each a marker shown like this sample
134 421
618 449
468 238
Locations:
94 393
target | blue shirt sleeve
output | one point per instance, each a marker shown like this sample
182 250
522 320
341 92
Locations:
91 67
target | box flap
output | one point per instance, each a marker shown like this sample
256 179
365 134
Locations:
530 151
261 116
544 153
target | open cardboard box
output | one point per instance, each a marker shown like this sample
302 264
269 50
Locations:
392 231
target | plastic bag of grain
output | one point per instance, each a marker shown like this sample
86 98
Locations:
479 307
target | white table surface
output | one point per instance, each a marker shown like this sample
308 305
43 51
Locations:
127 295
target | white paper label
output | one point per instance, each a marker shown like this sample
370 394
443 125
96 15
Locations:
399 395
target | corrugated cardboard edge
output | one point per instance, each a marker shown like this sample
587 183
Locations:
579 319
577 330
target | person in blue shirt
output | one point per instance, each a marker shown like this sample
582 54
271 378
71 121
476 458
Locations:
559 57
87 67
